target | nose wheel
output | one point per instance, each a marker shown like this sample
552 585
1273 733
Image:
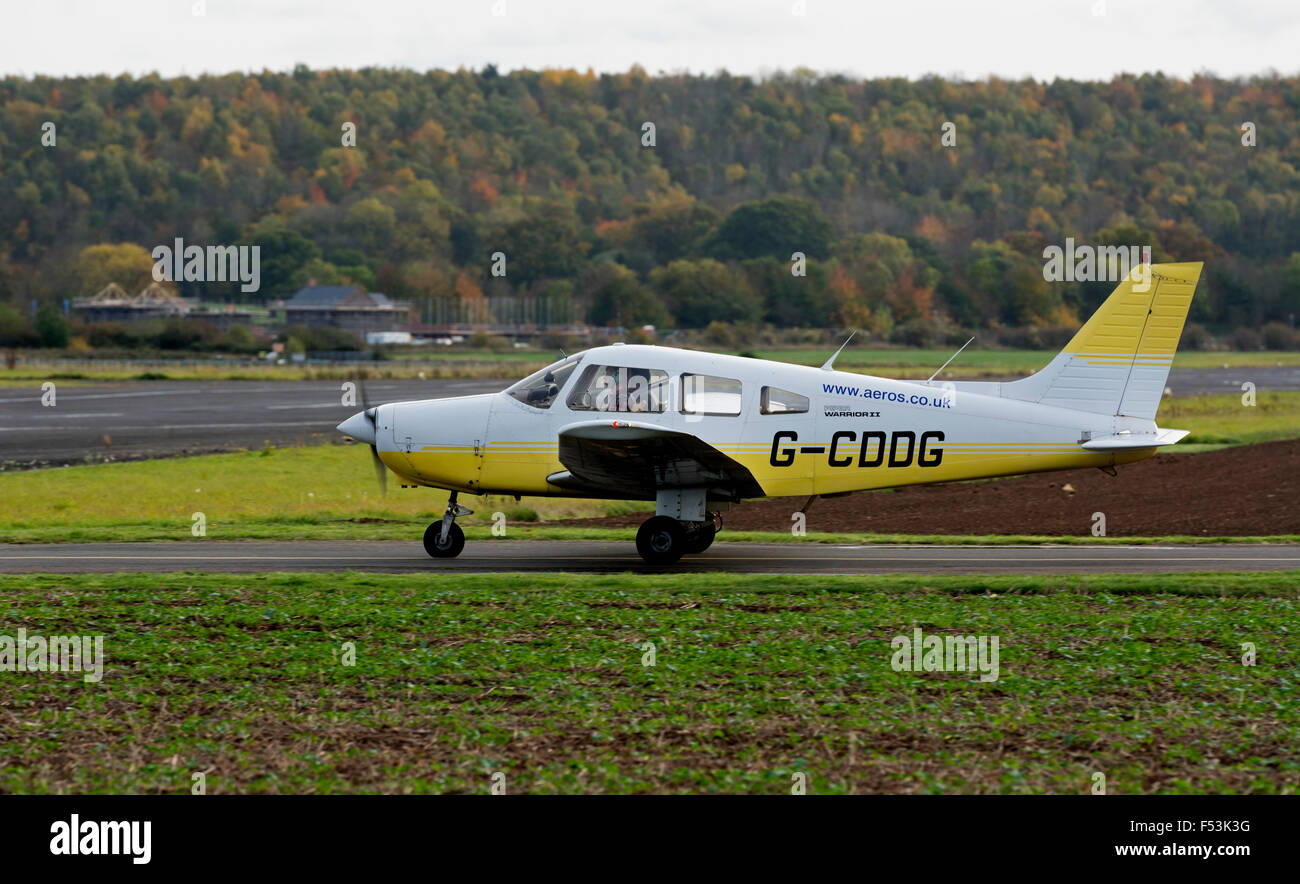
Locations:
444 539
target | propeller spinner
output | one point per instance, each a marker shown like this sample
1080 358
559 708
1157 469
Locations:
361 426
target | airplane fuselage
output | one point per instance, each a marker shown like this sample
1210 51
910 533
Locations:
855 432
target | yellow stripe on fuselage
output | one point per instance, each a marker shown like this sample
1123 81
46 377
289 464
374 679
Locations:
523 470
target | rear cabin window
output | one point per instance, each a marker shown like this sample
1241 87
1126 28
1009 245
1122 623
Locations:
620 388
705 394
777 401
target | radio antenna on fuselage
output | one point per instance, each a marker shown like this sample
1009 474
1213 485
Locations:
829 365
950 359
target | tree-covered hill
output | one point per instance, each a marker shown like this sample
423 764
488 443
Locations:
903 236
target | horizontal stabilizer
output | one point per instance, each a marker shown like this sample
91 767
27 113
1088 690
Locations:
1124 441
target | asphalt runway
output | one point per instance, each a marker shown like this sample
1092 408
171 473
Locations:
138 419
162 418
601 557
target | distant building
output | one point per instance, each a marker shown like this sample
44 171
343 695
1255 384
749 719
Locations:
112 303
347 307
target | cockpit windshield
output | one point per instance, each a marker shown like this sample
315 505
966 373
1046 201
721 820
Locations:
540 389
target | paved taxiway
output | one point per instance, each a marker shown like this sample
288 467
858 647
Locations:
160 418
495 556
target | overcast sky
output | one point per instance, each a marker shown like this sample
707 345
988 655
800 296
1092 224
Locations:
1082 39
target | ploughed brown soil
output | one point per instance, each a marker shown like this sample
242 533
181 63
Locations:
1240 491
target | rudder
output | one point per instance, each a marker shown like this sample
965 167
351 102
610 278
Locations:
1119 361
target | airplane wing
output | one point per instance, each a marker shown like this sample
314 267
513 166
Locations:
639 459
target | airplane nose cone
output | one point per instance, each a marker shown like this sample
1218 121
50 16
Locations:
359 427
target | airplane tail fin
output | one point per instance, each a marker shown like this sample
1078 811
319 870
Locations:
1119 361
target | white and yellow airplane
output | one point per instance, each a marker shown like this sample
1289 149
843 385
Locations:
696 432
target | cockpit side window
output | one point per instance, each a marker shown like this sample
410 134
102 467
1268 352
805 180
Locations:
620 388
540 389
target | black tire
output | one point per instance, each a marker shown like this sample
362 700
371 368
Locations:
455 541
701 538
661 540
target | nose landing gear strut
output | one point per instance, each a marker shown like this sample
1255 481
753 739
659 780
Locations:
444 539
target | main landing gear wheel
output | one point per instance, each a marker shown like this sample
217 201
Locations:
661 540
699 536
444 539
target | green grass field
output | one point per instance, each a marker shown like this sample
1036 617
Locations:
329 491
1221 419
910 363
891 362
542 678
326 491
